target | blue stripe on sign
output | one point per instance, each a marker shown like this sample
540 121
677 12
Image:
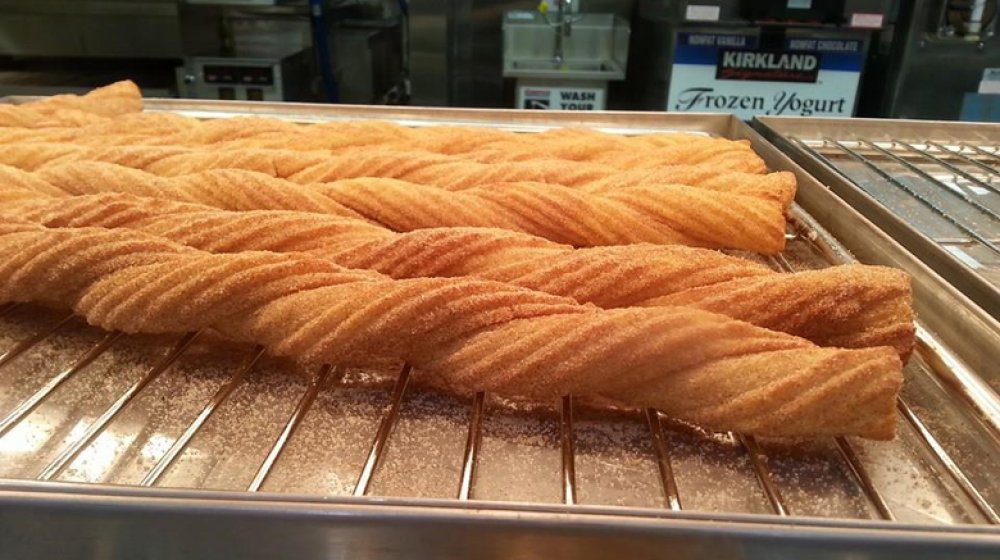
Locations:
707 56
845 62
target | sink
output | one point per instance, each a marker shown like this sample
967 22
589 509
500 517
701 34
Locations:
595 49
565 66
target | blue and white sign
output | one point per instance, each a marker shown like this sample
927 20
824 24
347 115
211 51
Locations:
729 73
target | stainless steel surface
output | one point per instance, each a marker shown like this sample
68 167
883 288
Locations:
23 345
923 52
294 421
29 404
597 49
70 452
182 442
636 487
457 47
920 181
948 463
90 28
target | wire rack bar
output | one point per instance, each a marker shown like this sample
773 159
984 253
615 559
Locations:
864 479
67 455
980 151
942 456
672 499
28 405
182 442
568 442
758 460
26 344
384 431
316 384
927 176
472 442
947 165
919 197
973 390
959 154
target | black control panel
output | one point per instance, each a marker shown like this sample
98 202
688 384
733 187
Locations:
245 75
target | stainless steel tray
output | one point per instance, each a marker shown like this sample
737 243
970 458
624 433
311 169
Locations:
933 186
119 446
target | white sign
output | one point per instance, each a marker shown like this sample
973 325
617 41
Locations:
866 21
728 73
991 81
560 98
697 12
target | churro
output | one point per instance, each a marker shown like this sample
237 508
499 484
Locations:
463 335
664 214
847 306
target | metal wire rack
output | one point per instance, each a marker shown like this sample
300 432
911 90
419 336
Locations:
101 434
331 378
946 190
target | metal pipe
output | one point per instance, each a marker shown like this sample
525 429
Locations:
22 410
670 493
759 463
568 451
384 431
182 442
26 344
316 384
68 454
472 447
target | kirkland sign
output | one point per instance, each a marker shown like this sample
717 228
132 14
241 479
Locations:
767 66
729 74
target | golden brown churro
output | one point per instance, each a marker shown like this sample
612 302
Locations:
423 168
61 110
665 214
480 144
464 335
846 306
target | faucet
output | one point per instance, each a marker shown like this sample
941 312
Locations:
564 27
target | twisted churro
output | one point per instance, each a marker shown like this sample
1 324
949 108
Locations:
483 144
61 110
226 189
731 156
429 169
847 306
123 130
464 335
665 214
